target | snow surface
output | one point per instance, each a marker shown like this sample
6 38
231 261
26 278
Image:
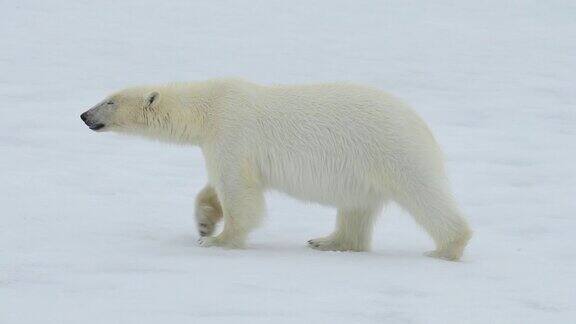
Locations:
98 228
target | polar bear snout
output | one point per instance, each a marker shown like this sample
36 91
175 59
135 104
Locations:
91 121
98 117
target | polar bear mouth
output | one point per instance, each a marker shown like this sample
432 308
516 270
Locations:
96 126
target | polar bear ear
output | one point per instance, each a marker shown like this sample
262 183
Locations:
151 99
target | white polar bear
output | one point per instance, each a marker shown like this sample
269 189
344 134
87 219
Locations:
352 147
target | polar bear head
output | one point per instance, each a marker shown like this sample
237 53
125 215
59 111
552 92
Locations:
160 112
127 110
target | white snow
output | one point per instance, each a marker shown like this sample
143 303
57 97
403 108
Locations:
98 228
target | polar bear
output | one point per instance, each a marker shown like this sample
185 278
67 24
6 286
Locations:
352 147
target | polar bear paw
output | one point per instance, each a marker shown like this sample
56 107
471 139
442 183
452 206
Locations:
331 244
208 241
208 211
443 254
205 223
452 251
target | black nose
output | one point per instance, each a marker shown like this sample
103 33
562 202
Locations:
84 116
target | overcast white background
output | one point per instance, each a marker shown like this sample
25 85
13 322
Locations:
98 228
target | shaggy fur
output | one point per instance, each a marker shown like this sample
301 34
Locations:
342 145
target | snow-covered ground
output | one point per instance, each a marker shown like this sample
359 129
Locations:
98 228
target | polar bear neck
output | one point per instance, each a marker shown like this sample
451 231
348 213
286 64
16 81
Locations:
195 110
184 114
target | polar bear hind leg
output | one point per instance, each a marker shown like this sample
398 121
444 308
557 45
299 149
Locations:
433 208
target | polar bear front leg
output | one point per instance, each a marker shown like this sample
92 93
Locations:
208 210
353 231
243 208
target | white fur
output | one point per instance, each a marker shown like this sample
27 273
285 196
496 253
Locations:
352 147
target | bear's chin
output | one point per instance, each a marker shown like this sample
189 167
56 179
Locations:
97 127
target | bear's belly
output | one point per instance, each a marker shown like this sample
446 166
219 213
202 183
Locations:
322 184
